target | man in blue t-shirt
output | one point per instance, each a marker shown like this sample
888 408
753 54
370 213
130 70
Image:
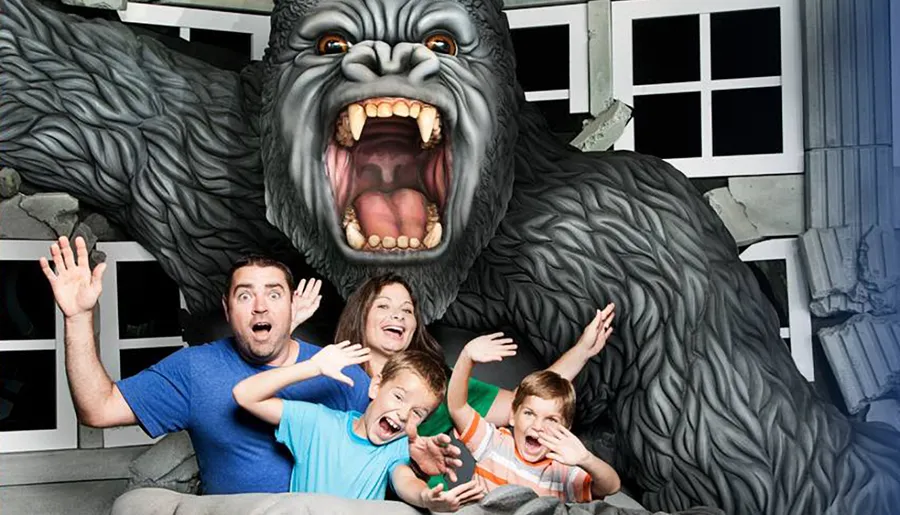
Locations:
191 389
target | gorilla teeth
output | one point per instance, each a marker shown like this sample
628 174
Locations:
352 120
434 236
354 236
357 115
434 231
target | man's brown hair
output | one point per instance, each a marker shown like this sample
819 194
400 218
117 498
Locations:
352 323
261 262
549 385
423 364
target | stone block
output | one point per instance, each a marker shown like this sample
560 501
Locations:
864 354
10 182
170 463
755 208
602 131
17 224
58 210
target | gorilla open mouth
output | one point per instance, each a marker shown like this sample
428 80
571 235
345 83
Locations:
389 165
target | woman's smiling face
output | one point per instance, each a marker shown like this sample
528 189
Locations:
390 321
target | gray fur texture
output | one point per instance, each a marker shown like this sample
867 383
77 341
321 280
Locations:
706 403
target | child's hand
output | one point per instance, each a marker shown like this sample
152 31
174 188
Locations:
595 334
490 347
564 446
333 358
305 302
437 500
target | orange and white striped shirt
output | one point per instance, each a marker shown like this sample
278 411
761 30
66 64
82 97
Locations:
499 463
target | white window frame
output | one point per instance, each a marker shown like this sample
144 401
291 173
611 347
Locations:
790 160
65 436
186 18
575 16
258 26
111 344
799 328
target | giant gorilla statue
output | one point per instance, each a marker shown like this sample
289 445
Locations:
392 134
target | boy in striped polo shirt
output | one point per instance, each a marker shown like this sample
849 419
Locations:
539 452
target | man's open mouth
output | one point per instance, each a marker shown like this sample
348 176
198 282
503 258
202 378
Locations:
388 162
261 328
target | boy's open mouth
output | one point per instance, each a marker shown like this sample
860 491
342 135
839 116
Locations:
388 427
532 445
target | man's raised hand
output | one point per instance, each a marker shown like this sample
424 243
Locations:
305 302
75 287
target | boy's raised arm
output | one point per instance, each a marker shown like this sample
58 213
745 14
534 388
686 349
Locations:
256 393
567 449
484 349
414 491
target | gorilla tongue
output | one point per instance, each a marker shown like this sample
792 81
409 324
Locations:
397 213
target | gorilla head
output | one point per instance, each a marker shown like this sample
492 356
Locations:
388 131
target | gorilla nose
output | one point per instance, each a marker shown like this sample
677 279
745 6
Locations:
370 60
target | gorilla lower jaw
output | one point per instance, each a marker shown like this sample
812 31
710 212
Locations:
389 165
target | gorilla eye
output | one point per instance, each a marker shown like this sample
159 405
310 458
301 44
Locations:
331 44
441 43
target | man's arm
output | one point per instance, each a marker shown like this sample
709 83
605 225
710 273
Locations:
256 393
414 491
98 402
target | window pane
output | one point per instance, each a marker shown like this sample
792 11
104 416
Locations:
772 278
235 46
666 49
542 57
563 123
747 121
148 301
745 44
27 308
133 361
667 126
27 390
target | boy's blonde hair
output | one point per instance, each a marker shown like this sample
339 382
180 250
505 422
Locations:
548 385
423 364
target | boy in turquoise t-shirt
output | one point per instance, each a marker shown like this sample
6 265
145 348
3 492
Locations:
349 454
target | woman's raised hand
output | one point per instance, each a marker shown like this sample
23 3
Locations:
490 347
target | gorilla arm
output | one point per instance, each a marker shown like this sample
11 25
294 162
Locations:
158 142
706 402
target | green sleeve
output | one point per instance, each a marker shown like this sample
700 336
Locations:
481 397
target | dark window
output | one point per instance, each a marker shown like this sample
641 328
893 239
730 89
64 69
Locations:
237 43
27 390
747 121
148 301
772 278
542 57
562 123
666 49
667 126
27 308
133 361
745 43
